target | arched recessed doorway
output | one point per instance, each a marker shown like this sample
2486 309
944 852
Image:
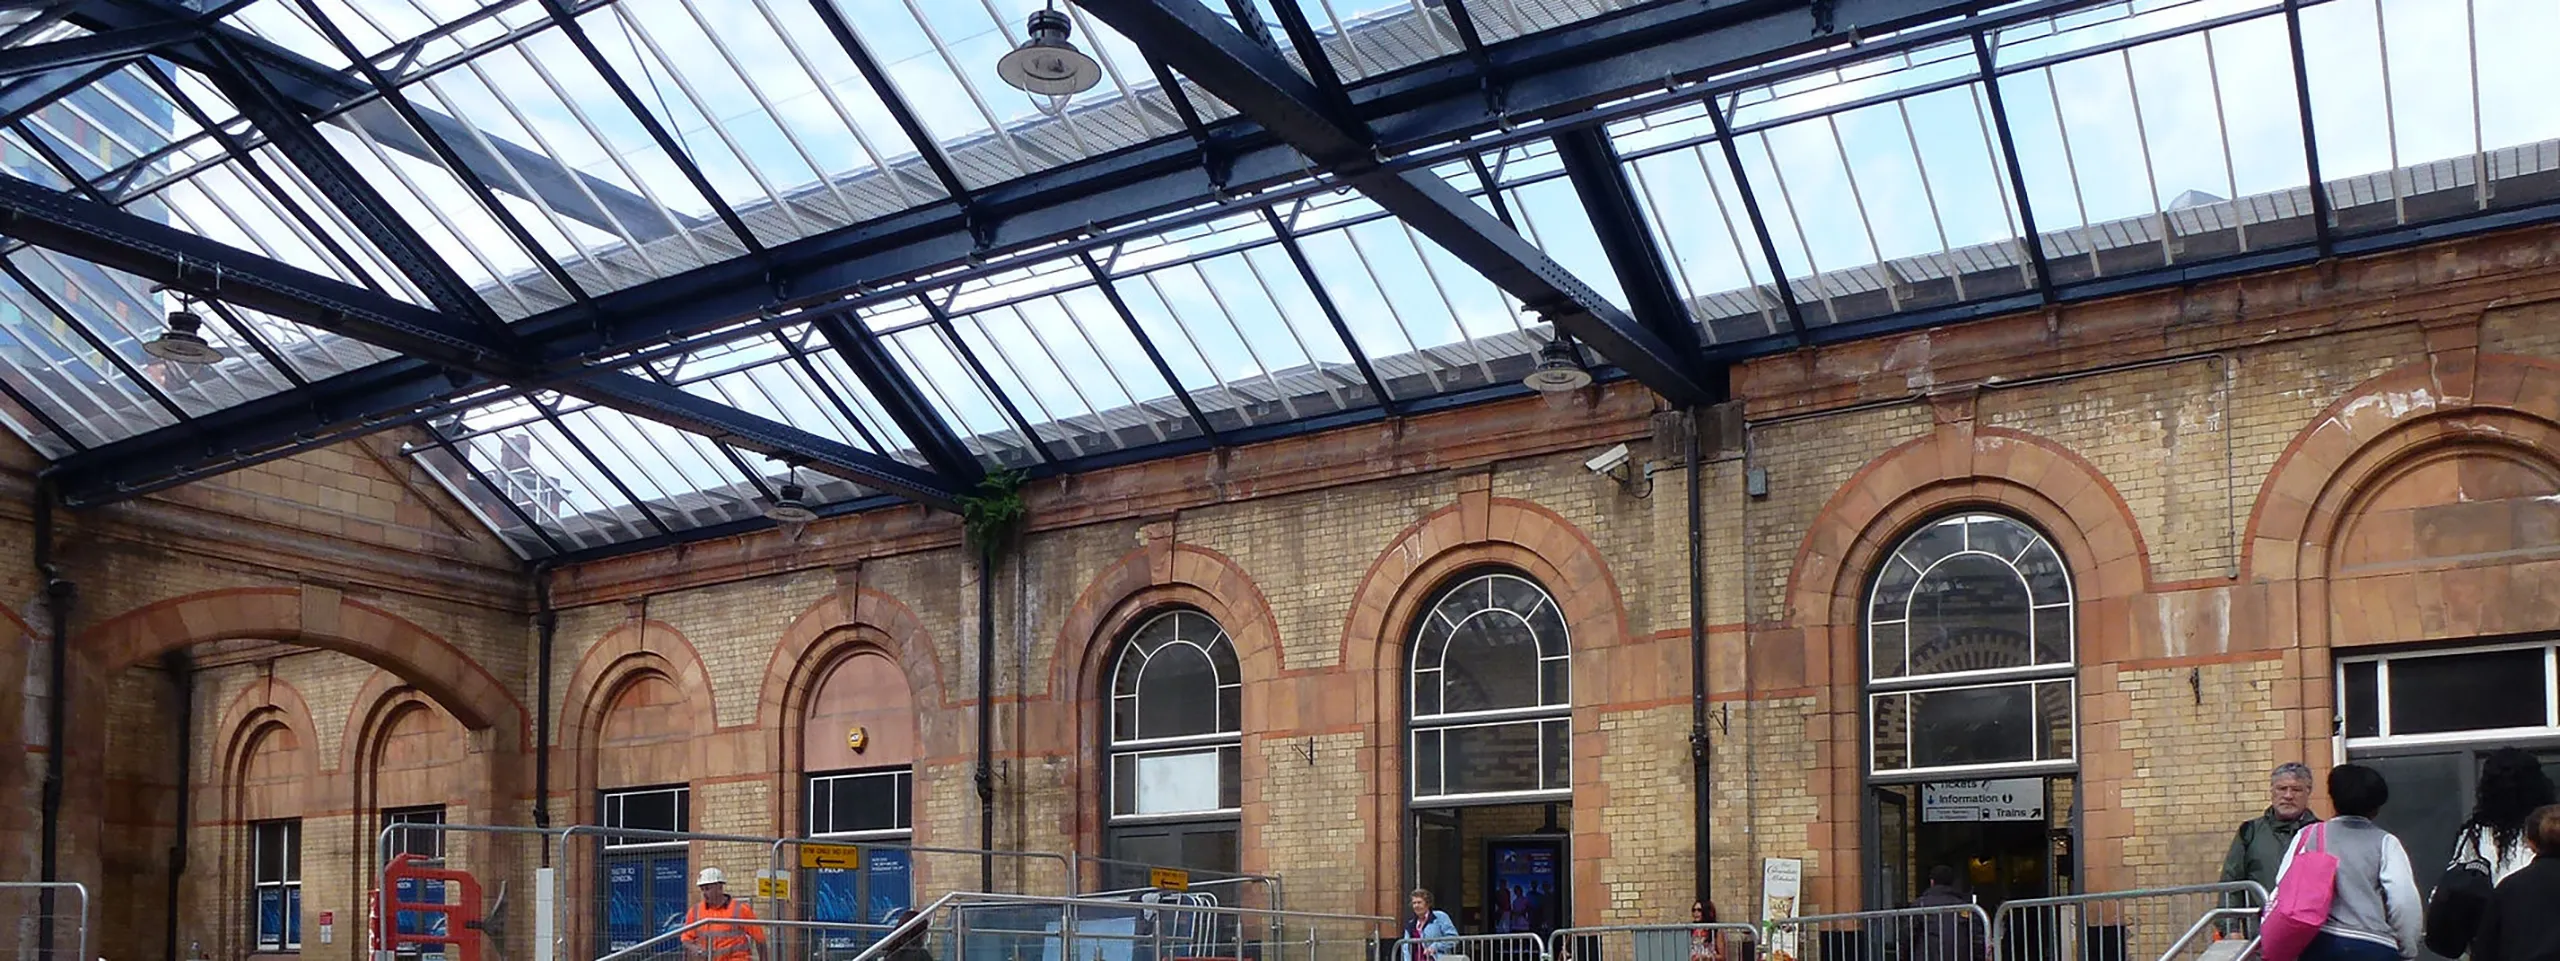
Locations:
1489 766
1971 707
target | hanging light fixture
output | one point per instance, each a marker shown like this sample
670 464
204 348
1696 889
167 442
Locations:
790 505
1560 368
183 341
1047 63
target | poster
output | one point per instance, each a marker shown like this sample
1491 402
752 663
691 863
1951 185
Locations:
889 882
1781 884
625 905
1522 896
835 895
670 893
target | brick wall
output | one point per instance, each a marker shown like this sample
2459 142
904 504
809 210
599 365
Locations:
2181 467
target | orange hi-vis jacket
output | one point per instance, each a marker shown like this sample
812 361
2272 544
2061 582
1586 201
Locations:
724 942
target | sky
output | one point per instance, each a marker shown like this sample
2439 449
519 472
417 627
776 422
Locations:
761 96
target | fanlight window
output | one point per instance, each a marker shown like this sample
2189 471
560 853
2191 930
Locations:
1492 692
1970 646
1176 708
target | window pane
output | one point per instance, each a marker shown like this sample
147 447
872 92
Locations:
2047 580
1177 783
860 802
1556 687
269 842
1884 650
1426 763
1980 725
1556 755
1890 726
1893 589
1969 614
1426 693
2364 716
2053 635
1176 695
1492 664
1124 784
1231 777
1491 758
1998 536
2468 692
2053 707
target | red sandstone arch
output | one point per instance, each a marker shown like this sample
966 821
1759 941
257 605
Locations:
268 708
313 617
1956 467
1483 530
2456 403
632 651
822 638
1162 575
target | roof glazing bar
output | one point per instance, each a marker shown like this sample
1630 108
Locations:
111 47
2028 238
2322 232
1111 294
150 388
639 110
899 110
495 492
1721 115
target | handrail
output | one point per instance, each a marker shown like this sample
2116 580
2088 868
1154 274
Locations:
654 943
2205 923
924 916
75 887
2097 897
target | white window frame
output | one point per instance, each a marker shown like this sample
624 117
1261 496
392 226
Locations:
417 814
609 811
2066 672
2382 698
1230 733
809 805
289 832
1444 720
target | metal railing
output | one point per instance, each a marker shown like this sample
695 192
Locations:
1472 947
2138 925
977 926
1958 932
761 948
2208 928
67 923
1656 942
1113 874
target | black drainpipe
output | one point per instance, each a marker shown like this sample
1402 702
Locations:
182 674
986 719
1700 755
546 624
58 592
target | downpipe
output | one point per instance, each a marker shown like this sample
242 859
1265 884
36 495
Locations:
182 674
546 624
59 593
986 775
1701 754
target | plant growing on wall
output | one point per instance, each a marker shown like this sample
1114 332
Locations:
992 517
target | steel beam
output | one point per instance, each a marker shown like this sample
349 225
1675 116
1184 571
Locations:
1551 73
113 46
30 94
1262 85
899 397
145 248
1600 181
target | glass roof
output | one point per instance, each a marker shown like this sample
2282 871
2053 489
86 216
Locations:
553 151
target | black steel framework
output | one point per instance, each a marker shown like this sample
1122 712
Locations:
1250 133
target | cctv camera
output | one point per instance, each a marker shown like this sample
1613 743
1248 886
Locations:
1608 460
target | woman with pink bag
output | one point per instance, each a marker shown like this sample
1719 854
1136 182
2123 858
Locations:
2368 908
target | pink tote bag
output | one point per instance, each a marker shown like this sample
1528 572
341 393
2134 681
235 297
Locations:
2300 904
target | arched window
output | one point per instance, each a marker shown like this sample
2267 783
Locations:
1176 751
1492 699
1970 649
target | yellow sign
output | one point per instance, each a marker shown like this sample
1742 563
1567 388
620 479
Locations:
844 856
1169 879
772 887
857 739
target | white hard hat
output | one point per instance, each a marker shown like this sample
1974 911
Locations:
710 876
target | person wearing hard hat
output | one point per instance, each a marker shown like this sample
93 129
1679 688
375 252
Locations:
723 939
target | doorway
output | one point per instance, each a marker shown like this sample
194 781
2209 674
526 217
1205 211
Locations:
2005 839
1497 869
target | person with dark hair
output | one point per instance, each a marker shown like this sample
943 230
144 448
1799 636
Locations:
2519 924
2259 845
2374 909
1948 935
2512 787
